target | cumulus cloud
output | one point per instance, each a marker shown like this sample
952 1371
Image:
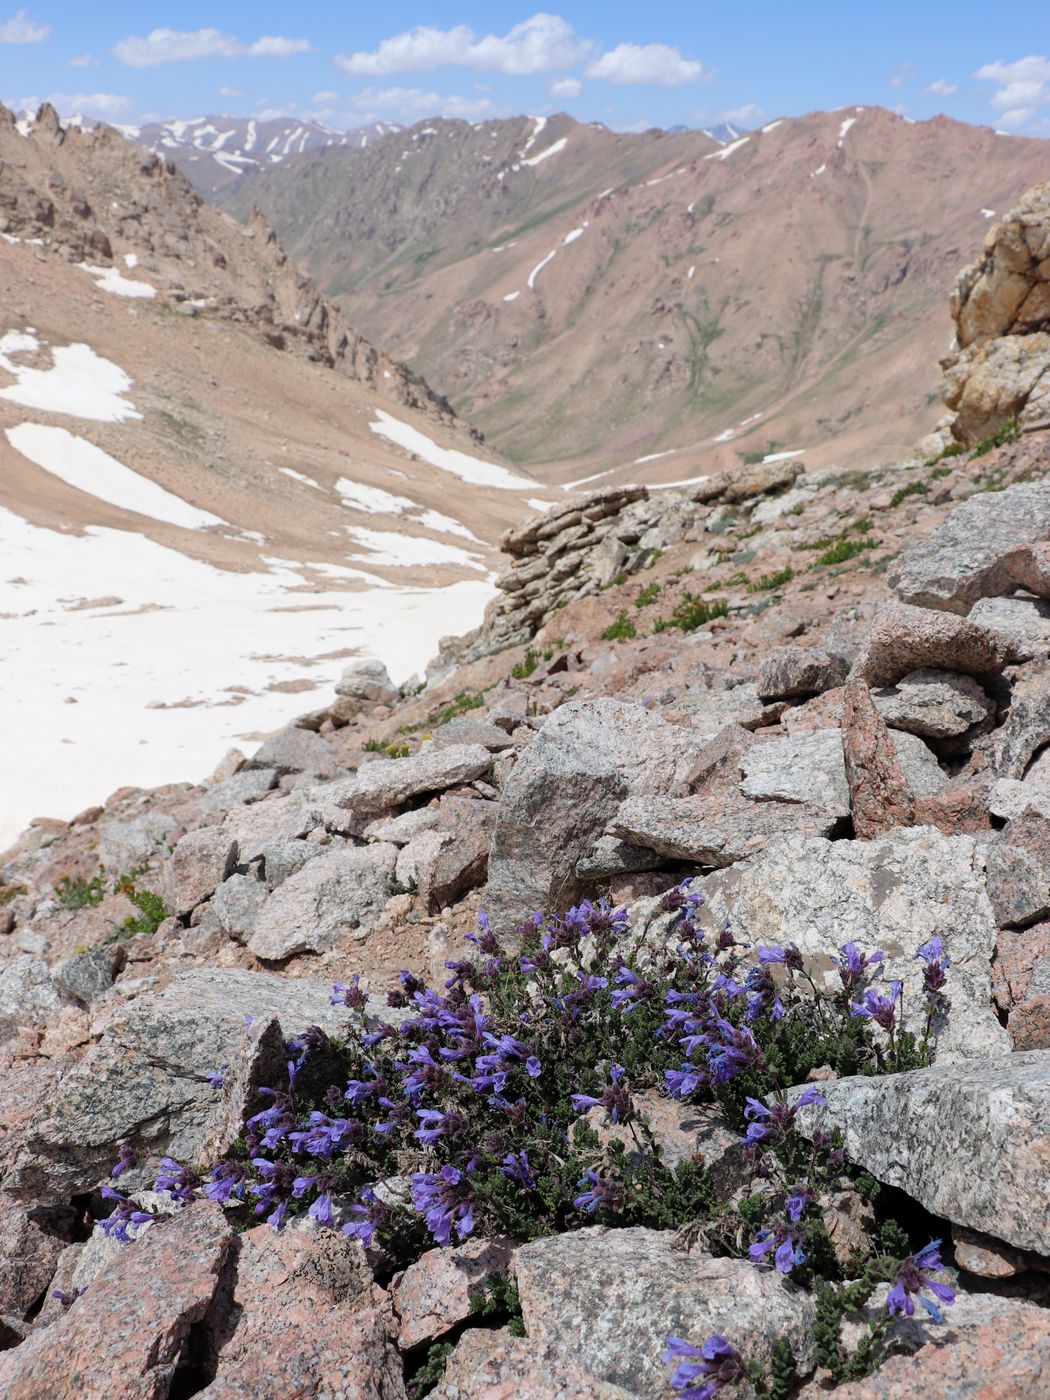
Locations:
226 91
749 115
646 63
178 46
410 104
942 88
105 105
84 60
1024 88
20 29
541 44
903 74
565 89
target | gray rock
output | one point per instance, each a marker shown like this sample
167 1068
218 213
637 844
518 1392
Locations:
283 858
712 710
401 830
1011 796
892 893
495 1363
277 819
904 639
809 767
936 704
472 731
344 891
970 1142
85 977
125 845
796 672
367 679
611 856
692 829
1018 871
609 1299
246 786
1022 620
27 993
386 784
410 857
965 557
146 1080
295 750
588 757
1025 730
237 903
198 864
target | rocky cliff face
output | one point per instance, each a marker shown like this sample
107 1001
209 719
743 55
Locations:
823 700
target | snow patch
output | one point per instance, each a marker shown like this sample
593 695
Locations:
512 296
782 456
298 476
531 283
772 126
819 171
844 128
108 279
727 151
988 213
550 151
397 550
79 383
447 459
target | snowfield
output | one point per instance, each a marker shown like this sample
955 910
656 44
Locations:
79 382
448 459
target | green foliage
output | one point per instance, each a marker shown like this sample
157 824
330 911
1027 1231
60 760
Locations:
862 525
429 1373
913 488
621 630
770 581
524 668
152 910
462 704
648 595
496 1300
396 886
737 580
388 746
938 472
654 555
842 550
10 892
1009 432
783 1371
692 612
78 893
750 532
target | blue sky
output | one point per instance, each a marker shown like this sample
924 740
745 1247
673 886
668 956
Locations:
628 65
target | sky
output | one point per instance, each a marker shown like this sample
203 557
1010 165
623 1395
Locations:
624 64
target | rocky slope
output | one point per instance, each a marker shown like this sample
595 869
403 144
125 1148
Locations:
649 305
823 697
188 427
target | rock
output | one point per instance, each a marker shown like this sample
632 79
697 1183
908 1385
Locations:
798 672
27 993
1025 621
125 1342
198 864
880 796
277 819
609 1299
302 1318
236 790
146 1080
710 711
237 904
387 784
805 767
498 1366
934 704
1022 985
994 385
401 830
85 977
295 750
904 639
744 483
892 893
472 731
433 1294
1026 728
30 1246
965 557
969 1141
446 863
258 1062
283 858
986 1349
343 891
1018 871
508 709
586 759
985 1257
367 679
125 845
688 829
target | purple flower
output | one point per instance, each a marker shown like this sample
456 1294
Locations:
782 1239
125 1213
935 973
433 1125
445 1201
701 1373
373 1215
225 1180
179 1182
789 956
772 1125
614 1098
321 1208
68 1299
274 1191
631 990
882 1010
681 1083
915 1274
761 989
853 964
601 1193
516 1165
216 1077
325 1135
797 1202
127 1159
351 995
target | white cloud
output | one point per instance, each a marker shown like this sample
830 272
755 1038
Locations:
1024 88
176 46
749 115
91 104
540 44
225 91
646 63
84 60
410 104
942 88
20 29
903 74
565 89
325 96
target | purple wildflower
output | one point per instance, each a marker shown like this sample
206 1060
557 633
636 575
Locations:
614 1098
274 1190
782 1239
125 1213
934 974
321 1208
853 964
771 1126
225 1180
325 1135
68 1299
915 1274
631 990
516 1165
127 1159
789 955
601 1193
351 996
433 1125
178 1181
881 1009
701 1373
373 1215
445 1201
681 1083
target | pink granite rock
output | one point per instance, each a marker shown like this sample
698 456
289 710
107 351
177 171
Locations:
432 1295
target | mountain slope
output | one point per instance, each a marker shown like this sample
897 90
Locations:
591 299
211 488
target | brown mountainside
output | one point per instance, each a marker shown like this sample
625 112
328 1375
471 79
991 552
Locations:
589 299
